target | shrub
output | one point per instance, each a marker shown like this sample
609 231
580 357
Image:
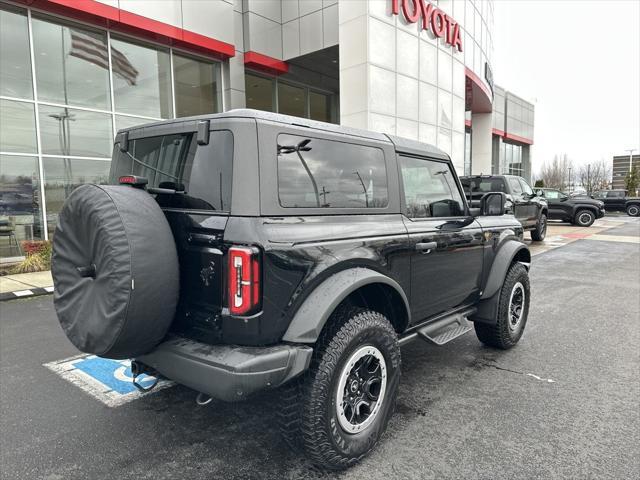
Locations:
38 257
30 247
33 263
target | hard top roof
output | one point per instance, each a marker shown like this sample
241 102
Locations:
402 145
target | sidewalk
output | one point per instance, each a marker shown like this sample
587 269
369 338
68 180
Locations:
25 285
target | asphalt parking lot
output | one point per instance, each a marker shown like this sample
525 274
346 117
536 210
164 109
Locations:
565 403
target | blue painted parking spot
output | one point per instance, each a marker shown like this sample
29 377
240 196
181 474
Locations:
116 374
110 381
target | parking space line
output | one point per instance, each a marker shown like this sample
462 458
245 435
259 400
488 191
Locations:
614 238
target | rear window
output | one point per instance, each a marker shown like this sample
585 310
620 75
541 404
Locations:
177 162
316 173
475 188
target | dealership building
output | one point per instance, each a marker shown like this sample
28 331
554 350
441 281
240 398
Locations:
73 72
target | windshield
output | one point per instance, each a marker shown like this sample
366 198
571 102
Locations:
201 174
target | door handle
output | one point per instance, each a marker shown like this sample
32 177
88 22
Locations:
426 247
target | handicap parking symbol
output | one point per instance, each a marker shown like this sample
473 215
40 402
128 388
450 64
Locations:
109 381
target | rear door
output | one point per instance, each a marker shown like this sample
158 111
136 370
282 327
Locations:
197 180
446 249
615 200
559 207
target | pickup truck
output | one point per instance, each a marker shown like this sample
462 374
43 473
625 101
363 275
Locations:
618 200
530 209
578 210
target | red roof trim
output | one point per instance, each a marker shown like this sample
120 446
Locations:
495 131
264 62
467 123
476 79
103 15
517 138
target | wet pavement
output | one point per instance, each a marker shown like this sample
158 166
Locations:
562 404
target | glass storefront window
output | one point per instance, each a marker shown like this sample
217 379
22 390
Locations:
63 175
259 92
299 101
15 59
72 65
291 100
141 80
20 212
17 127
319 107
196 86
78 110
67 131
123 121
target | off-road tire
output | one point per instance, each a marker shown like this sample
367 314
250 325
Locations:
538 233
501 335
633 210
308 410
581 216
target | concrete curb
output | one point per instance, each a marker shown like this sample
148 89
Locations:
31 292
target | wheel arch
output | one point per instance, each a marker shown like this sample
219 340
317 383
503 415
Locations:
511 251
592 208
360 286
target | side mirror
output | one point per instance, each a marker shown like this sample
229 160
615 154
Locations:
493 204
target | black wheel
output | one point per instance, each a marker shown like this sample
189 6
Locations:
633 210
513 309
538 233
338 411
584 218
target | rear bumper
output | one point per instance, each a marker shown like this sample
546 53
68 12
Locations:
601 212
227 372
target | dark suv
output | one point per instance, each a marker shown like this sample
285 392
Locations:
529 208
249 250
581 211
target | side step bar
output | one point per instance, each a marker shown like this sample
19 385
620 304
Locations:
442 330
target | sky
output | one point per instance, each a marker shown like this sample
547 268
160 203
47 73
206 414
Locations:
578 61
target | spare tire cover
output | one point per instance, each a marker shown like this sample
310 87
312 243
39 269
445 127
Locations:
115 271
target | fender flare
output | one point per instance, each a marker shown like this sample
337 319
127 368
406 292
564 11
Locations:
501 263
488 304
311 317
591 208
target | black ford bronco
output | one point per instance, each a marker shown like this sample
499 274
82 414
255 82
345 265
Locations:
243 251
529 208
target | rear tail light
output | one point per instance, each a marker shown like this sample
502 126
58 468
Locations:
244 280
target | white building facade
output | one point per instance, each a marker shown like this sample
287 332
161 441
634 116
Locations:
74 72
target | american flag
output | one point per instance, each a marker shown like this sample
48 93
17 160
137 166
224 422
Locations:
93 50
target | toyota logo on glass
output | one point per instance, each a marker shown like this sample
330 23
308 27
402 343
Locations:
434 19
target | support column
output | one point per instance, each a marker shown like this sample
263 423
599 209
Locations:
481 143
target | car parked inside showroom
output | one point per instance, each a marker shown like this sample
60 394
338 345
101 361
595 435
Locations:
577 210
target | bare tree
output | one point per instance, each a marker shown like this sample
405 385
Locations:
557 173
595 176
